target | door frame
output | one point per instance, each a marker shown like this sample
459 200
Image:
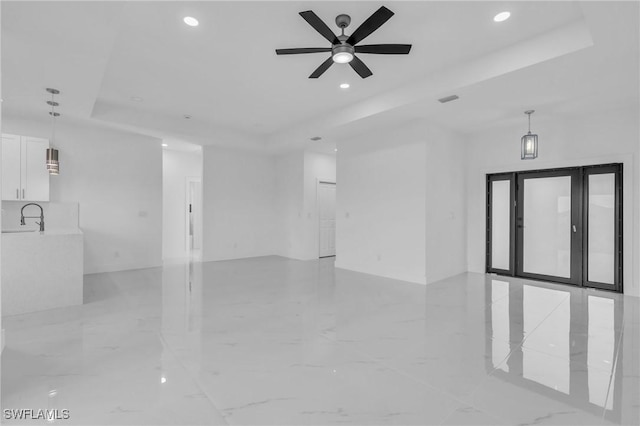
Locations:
575 274
320 181
511 177
617 170
579 246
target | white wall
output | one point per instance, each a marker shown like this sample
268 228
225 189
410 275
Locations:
401 208
116 177
297 208
605 137
176 167
239 204
446 205
380 205
290 200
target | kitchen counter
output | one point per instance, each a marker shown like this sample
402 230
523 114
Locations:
35 232
41 270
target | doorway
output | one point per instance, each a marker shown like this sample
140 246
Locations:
193 209
327 218
181 201
559 225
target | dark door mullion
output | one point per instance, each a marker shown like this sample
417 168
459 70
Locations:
577 227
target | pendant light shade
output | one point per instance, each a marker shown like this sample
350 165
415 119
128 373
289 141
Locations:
53 165
529 142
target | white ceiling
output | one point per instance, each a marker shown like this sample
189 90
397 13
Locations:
555 57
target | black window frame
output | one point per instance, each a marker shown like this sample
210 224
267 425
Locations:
580 217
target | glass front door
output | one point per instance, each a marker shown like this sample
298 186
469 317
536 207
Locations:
561 225
548 221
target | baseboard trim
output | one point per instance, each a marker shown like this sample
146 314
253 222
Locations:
117 268
415 279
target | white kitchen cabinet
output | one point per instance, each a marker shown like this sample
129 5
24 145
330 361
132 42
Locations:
24 171
11 167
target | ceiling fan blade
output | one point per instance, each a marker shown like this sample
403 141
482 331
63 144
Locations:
302 50
359 67
322 68
384 49
372 23
319 26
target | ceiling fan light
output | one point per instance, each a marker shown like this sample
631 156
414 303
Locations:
342 57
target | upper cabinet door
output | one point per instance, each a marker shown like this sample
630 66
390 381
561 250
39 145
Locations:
11 188
35 177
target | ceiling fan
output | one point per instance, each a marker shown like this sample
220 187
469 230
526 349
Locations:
343 48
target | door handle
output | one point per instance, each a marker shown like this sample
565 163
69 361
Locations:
17 194
23 193
574 228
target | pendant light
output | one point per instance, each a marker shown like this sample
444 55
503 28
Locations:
529 142
53 165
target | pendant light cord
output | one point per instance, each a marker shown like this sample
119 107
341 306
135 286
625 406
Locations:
53 119
529 112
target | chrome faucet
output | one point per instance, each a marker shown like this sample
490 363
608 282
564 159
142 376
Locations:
23 217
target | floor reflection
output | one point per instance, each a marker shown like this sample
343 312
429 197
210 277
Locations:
561 344
277 341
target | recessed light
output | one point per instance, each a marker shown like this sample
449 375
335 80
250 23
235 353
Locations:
344 86
191 21
136 99
502 16
165 145
335 149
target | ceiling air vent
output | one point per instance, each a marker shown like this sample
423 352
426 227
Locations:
448 99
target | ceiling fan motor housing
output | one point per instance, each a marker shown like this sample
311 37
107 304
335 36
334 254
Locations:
342 49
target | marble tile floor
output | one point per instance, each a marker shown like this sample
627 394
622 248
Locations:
276 341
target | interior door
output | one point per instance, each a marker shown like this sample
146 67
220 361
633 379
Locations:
197 214
548 226
327 218
194 213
